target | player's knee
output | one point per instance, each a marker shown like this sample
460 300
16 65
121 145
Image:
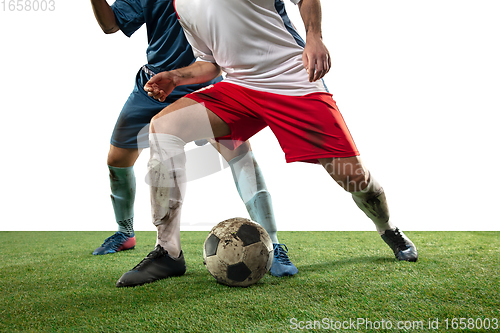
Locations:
358 182
113 160
121 157
160 123
349 172
353 182
166 124
154 123
156 117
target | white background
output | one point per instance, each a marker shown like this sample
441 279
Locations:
417 82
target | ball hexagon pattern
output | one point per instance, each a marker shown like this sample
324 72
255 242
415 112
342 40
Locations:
238 252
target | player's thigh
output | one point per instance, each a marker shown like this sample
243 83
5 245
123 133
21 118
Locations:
348 172
189 120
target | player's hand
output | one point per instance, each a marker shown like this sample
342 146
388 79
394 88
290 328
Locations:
316 59
160 86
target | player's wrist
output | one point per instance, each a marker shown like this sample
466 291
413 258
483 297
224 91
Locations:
314 34
174 77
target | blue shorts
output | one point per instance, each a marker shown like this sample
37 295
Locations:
132 127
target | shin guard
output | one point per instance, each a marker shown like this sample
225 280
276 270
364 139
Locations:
167 177
373 203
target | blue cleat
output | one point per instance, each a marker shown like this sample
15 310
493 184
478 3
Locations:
282 266
402 247
117 242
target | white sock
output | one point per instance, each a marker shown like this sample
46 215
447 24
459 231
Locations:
373 203
167 177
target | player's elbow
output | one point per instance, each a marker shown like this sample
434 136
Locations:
108 26
110 29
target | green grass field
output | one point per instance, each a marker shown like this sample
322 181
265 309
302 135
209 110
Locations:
50 282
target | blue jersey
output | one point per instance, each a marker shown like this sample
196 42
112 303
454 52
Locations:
168 48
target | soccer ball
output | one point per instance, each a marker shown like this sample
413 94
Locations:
238 252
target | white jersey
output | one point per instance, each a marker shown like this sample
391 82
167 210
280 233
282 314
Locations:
248 40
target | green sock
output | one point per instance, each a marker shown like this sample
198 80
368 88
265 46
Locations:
122 181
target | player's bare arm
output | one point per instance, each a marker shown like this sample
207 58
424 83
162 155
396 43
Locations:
316 56
162 84
104 16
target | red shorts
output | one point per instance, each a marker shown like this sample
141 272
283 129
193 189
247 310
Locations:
307 127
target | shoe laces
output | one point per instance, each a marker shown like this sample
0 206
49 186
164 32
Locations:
280 251
398 239
156 253
114 240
